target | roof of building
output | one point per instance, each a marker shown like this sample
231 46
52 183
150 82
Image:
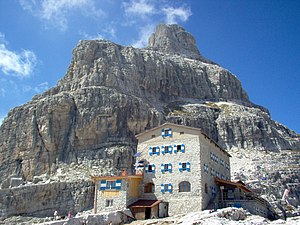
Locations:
183 126
142 203
239 184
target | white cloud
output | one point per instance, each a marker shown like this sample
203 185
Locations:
139 7
19 64
144 35
173 15
56 12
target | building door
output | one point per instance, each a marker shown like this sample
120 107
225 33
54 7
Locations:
148 213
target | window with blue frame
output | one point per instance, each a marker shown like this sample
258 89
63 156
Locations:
150 168
179 148
205 168
166 188
110 185
166 167
166 132
186 166
154 150
166 149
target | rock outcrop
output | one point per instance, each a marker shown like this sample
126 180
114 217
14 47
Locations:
111 92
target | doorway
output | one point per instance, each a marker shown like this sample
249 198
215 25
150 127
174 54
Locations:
148 213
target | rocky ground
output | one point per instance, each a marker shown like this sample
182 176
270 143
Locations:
269 174
228 216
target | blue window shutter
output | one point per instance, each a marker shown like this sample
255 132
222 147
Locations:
180 167
146 168
163 132
163 150
170 188
162 168
102 185
170 167
170 149
182 148
188 166
153 168
170 132
175 148
157 150
150 151
118 184
162 188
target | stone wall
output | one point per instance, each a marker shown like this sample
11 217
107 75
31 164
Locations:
44 199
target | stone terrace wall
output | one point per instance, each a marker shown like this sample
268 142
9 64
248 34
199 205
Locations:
43 199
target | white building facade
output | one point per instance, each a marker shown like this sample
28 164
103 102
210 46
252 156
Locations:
181 164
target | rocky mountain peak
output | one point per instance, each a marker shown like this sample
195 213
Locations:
173 39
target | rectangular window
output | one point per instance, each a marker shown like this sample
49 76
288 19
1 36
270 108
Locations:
109 202
166 149
154 150
166 167
186 166
166 188
153 136
150 168
205 168
179 148
181 133
111 184
167 132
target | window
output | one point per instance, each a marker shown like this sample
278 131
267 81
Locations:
206 188
166 149
153 136
111 184
167 132
181 133
185 166
149 188
212 172
166 167
213 191
179 148
150 168
166 188
205 168
154 150
222 162
184 186
108 202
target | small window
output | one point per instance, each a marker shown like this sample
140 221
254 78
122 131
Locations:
153 136
166 132
150 168
184 186
179 148
181 133
109 202
166 167
186 166
111 184
206 188
166 188
149 188
154 150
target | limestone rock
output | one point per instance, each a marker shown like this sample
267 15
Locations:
87 123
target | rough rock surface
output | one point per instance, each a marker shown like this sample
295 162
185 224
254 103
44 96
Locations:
111 92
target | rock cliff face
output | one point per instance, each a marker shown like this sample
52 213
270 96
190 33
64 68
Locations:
112 92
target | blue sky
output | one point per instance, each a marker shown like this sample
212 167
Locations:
257 40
